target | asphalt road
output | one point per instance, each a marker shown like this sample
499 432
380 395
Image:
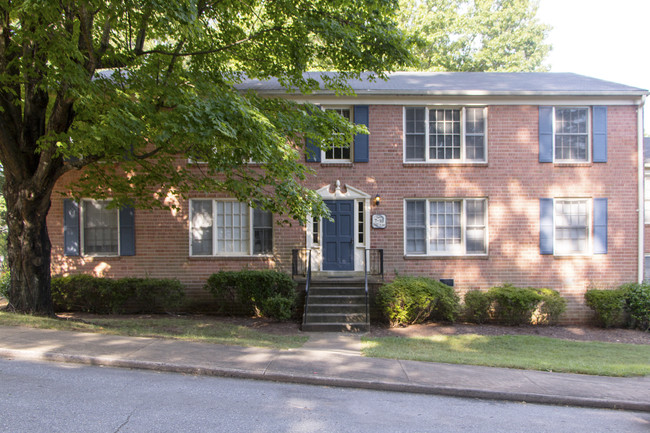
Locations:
51 397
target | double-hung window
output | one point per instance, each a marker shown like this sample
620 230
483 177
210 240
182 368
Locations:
339 153
100 228
571 134
571 226
446 227
225 227
445 134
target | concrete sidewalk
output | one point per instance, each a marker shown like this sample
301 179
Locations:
326 359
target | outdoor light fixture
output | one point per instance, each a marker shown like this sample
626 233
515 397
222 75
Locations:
377 200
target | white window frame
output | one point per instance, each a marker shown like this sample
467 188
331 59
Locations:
646 262
646 197
463 136
82 229
323 153
463 228
589 136
590 227
250 228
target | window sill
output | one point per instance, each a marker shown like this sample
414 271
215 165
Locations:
447 257
572 164
261 257
575 256
444 164
337 164
100 256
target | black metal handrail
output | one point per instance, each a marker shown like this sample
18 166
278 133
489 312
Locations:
374 257
302 266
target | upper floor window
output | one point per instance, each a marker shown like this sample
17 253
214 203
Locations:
446 227
339 153
573 134
646 201
225 227
445 134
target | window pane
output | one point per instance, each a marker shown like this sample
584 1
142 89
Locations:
415 227
100 227
571 226
444 134
201 227
415 134
262 232
444 226
571 134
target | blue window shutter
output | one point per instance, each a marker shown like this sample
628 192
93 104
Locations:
546 226
545 134
361 152
600 133
600 226
70 228
312 152
127 231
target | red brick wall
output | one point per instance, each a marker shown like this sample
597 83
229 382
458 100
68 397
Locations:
513 181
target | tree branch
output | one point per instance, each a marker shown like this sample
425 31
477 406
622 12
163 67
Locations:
214 50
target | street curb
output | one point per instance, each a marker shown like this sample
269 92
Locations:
482 394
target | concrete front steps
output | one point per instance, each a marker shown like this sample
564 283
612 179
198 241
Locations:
335 306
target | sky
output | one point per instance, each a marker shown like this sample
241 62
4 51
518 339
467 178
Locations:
607 39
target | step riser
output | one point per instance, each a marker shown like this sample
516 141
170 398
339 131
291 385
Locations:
320 300
335 327
336 318
336 291
337 309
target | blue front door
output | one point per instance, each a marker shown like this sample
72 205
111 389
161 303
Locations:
338 236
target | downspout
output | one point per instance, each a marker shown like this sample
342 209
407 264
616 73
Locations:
641 176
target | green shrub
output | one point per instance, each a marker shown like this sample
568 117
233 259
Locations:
551 307
410 300
637 300
609 306
513 305
105 296
266 293
5 284
477 306
152 294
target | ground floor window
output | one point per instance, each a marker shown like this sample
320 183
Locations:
446 226
100 228
225 227
571 226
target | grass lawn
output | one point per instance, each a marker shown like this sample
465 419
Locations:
203 329
517 351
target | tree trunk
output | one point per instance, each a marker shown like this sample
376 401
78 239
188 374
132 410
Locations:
29 247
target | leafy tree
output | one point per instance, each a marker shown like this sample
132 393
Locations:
476 35
126 90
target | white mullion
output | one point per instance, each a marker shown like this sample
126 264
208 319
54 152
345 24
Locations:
427 222
463 226
250 230
215 229
463 128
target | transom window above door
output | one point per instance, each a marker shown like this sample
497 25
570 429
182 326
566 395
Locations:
445 134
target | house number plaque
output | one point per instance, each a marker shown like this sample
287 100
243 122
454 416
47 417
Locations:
379 221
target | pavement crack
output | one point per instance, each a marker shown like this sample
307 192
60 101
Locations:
128 418
399 361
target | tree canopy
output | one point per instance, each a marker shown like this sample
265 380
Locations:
128 89
476 35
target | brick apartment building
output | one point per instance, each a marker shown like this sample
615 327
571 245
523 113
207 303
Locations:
531 179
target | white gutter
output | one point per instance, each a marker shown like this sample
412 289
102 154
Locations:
641 176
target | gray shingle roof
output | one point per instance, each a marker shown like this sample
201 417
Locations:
471 83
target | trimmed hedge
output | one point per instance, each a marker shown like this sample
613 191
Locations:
105 296
512 305
609 306
629 305
265 293
410 300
